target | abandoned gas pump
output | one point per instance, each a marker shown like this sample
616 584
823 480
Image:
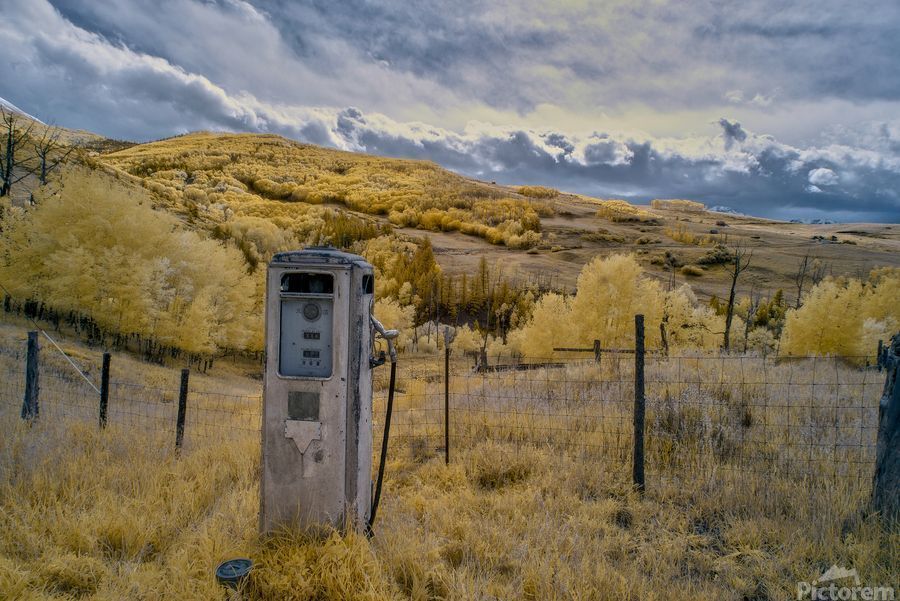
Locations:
317 400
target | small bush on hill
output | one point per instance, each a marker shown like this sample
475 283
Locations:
689 206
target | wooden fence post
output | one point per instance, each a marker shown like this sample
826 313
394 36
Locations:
449 335
30 405
597 351
182 408
104 389
637 471
879 360
886 488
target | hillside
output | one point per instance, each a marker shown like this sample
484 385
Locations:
211 178
169 239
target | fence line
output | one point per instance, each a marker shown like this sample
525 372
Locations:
746 422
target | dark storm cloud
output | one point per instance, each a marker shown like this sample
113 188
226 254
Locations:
733 132
757 175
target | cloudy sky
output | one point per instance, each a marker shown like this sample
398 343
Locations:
783 112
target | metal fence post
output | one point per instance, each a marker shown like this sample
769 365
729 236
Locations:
446 404
182 408
30 406
886 488
637 471
104 389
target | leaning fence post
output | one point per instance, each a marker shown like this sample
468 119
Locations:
30 407
637 468
886 488
182 408
104 389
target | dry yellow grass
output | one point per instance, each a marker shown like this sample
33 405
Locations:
99 517
536 504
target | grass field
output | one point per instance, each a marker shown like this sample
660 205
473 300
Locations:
522 511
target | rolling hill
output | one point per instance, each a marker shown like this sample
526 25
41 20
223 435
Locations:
210 178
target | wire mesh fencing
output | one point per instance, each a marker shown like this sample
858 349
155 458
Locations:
149 413
769 428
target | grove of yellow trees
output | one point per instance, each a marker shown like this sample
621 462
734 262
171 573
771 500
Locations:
845 316
610 292
99 250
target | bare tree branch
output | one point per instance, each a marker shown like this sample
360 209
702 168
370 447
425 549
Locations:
50 152
742 257
12 138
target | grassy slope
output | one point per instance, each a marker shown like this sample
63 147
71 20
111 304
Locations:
364 184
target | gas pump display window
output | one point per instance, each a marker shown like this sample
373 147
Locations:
307 283
307 307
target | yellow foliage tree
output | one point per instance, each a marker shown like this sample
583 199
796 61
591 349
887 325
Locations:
868 311
99 249
611 291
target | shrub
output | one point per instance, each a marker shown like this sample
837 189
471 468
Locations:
681 234
537 192
620 211
689 206
602 235
720 255
692 271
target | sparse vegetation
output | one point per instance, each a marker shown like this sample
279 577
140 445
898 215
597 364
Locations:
680 233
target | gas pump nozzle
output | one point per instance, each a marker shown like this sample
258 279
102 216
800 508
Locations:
388 336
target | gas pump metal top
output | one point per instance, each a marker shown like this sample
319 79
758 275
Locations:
317 407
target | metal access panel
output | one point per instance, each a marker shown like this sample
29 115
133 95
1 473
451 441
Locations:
317 400
306 336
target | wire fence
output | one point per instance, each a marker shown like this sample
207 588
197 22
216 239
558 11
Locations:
769 426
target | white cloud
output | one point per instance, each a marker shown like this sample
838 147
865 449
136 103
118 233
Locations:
823 177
